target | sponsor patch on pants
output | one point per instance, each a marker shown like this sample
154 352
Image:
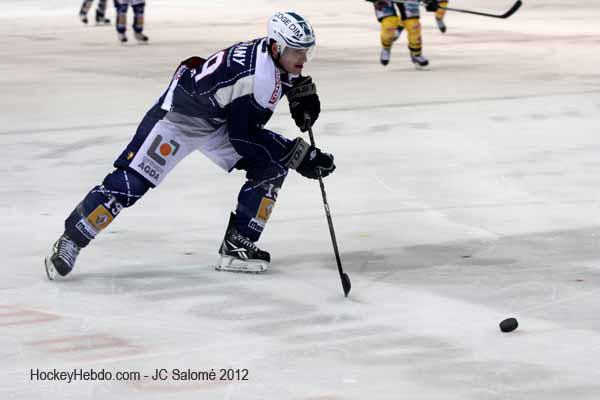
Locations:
265 209
100 218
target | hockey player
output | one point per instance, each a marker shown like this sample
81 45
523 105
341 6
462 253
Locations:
439 7
218 106
138 7
100 12
394 18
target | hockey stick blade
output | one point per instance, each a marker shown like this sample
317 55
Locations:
346 285
507 14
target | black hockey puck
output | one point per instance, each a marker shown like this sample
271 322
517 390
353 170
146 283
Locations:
509 325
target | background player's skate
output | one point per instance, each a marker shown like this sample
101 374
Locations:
386 45
100 12
419 60
439 16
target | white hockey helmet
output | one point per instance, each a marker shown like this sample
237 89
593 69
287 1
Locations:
290 29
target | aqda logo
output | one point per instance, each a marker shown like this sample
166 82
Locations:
159 150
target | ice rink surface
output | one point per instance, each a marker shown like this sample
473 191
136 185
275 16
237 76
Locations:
464 195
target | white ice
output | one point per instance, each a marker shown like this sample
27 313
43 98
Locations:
464 195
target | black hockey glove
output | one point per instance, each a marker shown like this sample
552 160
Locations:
193 62
308 160
303 100
431 5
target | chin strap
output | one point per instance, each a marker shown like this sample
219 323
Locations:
266 47
286 76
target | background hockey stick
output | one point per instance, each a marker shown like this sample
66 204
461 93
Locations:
507 14
515 7
346 285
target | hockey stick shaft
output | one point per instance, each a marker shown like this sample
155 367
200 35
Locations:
507 14
344 278
515 7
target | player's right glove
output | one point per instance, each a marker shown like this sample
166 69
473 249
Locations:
304 100
431 5
308 160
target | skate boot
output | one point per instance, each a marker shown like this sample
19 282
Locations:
122 37
140 37
62 259
419 61
83 17
240 254
441 25
384 58
101 19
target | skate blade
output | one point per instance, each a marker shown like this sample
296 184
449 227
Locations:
231 264
50 270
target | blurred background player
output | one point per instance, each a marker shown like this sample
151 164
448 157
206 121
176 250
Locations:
138 7
100 12
394 18
218 106
393 22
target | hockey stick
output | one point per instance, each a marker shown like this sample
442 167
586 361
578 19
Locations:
346 285
507 14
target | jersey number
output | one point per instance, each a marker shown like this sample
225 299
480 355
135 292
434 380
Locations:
208 68
210 65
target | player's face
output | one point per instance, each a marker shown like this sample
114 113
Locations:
293 60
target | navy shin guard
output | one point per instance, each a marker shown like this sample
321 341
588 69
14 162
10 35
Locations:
257 199
120 189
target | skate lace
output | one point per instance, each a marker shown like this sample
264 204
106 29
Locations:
68 250
247 242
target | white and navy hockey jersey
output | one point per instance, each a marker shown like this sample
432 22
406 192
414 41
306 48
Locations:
238 87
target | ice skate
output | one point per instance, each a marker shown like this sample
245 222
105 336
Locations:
122 37
83 17
384 58
101 19
62 258
141 38
419 61
441 25
240 254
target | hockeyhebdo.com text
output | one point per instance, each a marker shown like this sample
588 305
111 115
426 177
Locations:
158 374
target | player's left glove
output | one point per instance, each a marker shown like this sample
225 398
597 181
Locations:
316 163
308 160
304 100
431 5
